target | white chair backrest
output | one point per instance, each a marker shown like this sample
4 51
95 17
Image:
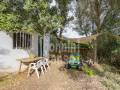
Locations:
39 63
45 60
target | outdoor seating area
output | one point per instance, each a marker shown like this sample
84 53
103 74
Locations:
41 64
36 64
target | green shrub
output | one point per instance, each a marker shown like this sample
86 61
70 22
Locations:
87 70
108 48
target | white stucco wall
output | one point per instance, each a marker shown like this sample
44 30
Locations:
8 55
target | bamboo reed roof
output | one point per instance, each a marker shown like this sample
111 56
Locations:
85 40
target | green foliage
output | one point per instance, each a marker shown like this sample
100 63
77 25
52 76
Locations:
87 70
2 6
32 4
63 6
8 22
112 21
99 15
35 16
108 48
106 43
115 4
63 9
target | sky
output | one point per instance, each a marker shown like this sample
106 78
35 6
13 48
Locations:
72 34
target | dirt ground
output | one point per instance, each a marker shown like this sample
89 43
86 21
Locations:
57 78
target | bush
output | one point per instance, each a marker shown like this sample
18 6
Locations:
108 48
87 70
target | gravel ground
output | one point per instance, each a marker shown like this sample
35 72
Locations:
57 78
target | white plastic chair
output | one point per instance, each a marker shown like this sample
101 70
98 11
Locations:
36 66
46 63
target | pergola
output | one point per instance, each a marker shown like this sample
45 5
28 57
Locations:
88 40
85 40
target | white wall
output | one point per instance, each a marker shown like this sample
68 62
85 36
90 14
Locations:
8 55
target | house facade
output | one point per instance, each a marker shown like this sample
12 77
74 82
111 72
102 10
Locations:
14 46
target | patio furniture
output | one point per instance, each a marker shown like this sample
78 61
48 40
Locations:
46 63
36 66
41 64
27 61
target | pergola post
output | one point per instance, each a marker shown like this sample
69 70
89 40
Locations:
95 51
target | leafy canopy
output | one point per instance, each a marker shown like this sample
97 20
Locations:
29 16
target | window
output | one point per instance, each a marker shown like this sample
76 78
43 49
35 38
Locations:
22 40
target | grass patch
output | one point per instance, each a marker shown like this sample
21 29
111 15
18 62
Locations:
5 80
111 77
10 79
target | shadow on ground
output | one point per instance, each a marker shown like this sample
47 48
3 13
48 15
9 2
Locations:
73 74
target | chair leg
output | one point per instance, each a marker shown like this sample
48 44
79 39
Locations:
48 66
29 69
45 68
42 70
36 70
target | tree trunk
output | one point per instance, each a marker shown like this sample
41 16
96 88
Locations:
60 47
95 51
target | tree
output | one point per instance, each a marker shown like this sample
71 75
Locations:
114 4
103 16
85 24
62 11
93 10
97 11
9 17
35 16
112 22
